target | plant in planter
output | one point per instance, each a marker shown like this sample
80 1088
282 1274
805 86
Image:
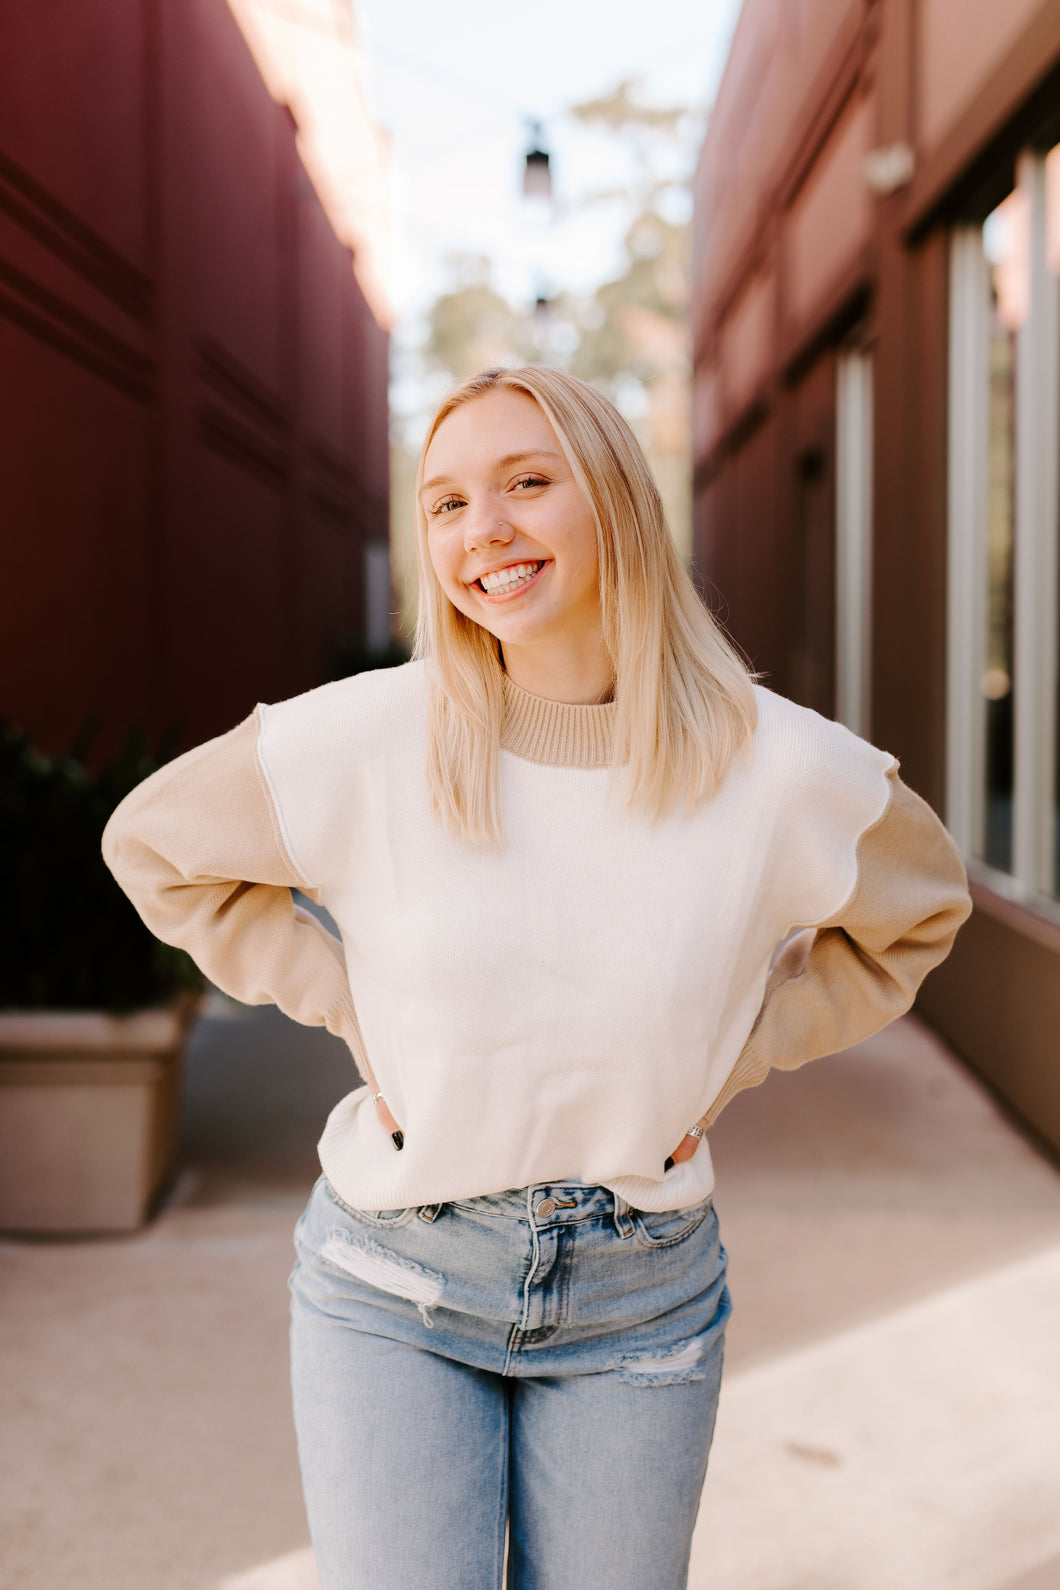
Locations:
93 1009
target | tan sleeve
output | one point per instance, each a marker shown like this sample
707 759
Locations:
197 848
834 985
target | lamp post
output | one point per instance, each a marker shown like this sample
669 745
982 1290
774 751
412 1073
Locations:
537 192
537 173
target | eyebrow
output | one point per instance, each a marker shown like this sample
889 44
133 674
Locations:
502 463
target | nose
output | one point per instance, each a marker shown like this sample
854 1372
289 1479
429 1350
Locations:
484 528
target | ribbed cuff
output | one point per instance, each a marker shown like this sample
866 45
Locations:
342 1020
748 1072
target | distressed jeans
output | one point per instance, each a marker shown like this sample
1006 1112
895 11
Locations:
540 1366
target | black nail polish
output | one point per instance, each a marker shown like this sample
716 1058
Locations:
669 1165
398 1139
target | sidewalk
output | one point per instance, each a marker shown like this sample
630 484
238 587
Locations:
891 1413
891 1419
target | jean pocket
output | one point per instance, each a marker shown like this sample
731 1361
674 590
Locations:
378 1219
662 1228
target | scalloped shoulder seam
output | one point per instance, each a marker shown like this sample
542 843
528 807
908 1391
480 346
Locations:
279 827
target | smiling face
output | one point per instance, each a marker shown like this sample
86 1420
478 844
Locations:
510 535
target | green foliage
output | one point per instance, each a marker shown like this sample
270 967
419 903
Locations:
620 111
639 327
73 940
473 326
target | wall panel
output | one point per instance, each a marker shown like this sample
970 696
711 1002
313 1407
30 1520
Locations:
959 43
831 217
192 388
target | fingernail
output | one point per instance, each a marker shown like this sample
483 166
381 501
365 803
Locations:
398 1139
669 1164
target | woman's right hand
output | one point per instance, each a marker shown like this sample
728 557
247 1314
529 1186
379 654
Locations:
386 1120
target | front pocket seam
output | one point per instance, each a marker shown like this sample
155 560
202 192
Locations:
666 1242
363 1217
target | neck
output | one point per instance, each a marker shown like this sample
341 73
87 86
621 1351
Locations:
581 676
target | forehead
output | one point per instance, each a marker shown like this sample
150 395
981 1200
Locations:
486 429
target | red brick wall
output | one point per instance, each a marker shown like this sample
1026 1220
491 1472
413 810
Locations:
192 387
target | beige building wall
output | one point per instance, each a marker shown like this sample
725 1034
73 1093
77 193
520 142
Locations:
856 147
747 342
959 45
831 219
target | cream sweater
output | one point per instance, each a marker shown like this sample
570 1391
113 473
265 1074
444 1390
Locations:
564 1008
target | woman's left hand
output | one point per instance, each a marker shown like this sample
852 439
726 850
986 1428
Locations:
687 1146
386 1120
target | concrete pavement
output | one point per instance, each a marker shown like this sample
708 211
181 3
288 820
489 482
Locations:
890 1413
919 1450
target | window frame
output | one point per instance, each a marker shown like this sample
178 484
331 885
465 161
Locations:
1036 550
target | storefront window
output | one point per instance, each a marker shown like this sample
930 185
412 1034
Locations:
1004 244
1052 260
1003 612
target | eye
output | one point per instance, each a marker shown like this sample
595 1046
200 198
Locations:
530 480
445 507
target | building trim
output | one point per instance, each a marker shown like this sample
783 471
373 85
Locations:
68 330
44 217
1035 553
847 303
837 79
853 540
754 413
966 535
953 174
234 441
840 308
220 370
1031 920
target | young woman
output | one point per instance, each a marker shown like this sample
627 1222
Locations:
567 849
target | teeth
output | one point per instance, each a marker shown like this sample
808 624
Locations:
504 579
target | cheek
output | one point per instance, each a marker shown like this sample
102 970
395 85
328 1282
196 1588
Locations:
440 553
446 560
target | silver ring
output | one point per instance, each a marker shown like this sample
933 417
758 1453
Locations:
376 1097
696 1131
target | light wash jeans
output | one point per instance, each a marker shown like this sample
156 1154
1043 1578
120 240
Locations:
545 1359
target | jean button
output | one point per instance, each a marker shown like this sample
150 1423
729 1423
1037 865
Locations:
546 1207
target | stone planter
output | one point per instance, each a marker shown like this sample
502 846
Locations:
89 1115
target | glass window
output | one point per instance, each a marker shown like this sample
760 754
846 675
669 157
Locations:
1052 261
1005 248
853 468
1003 611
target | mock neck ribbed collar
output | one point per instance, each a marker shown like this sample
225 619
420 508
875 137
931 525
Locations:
555 733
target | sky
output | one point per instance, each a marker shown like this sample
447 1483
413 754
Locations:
456 85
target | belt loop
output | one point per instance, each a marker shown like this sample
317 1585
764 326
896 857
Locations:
431 1212
622 1217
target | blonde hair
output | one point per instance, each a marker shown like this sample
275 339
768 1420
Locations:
683 697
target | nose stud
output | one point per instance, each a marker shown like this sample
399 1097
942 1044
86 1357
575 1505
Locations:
479 538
